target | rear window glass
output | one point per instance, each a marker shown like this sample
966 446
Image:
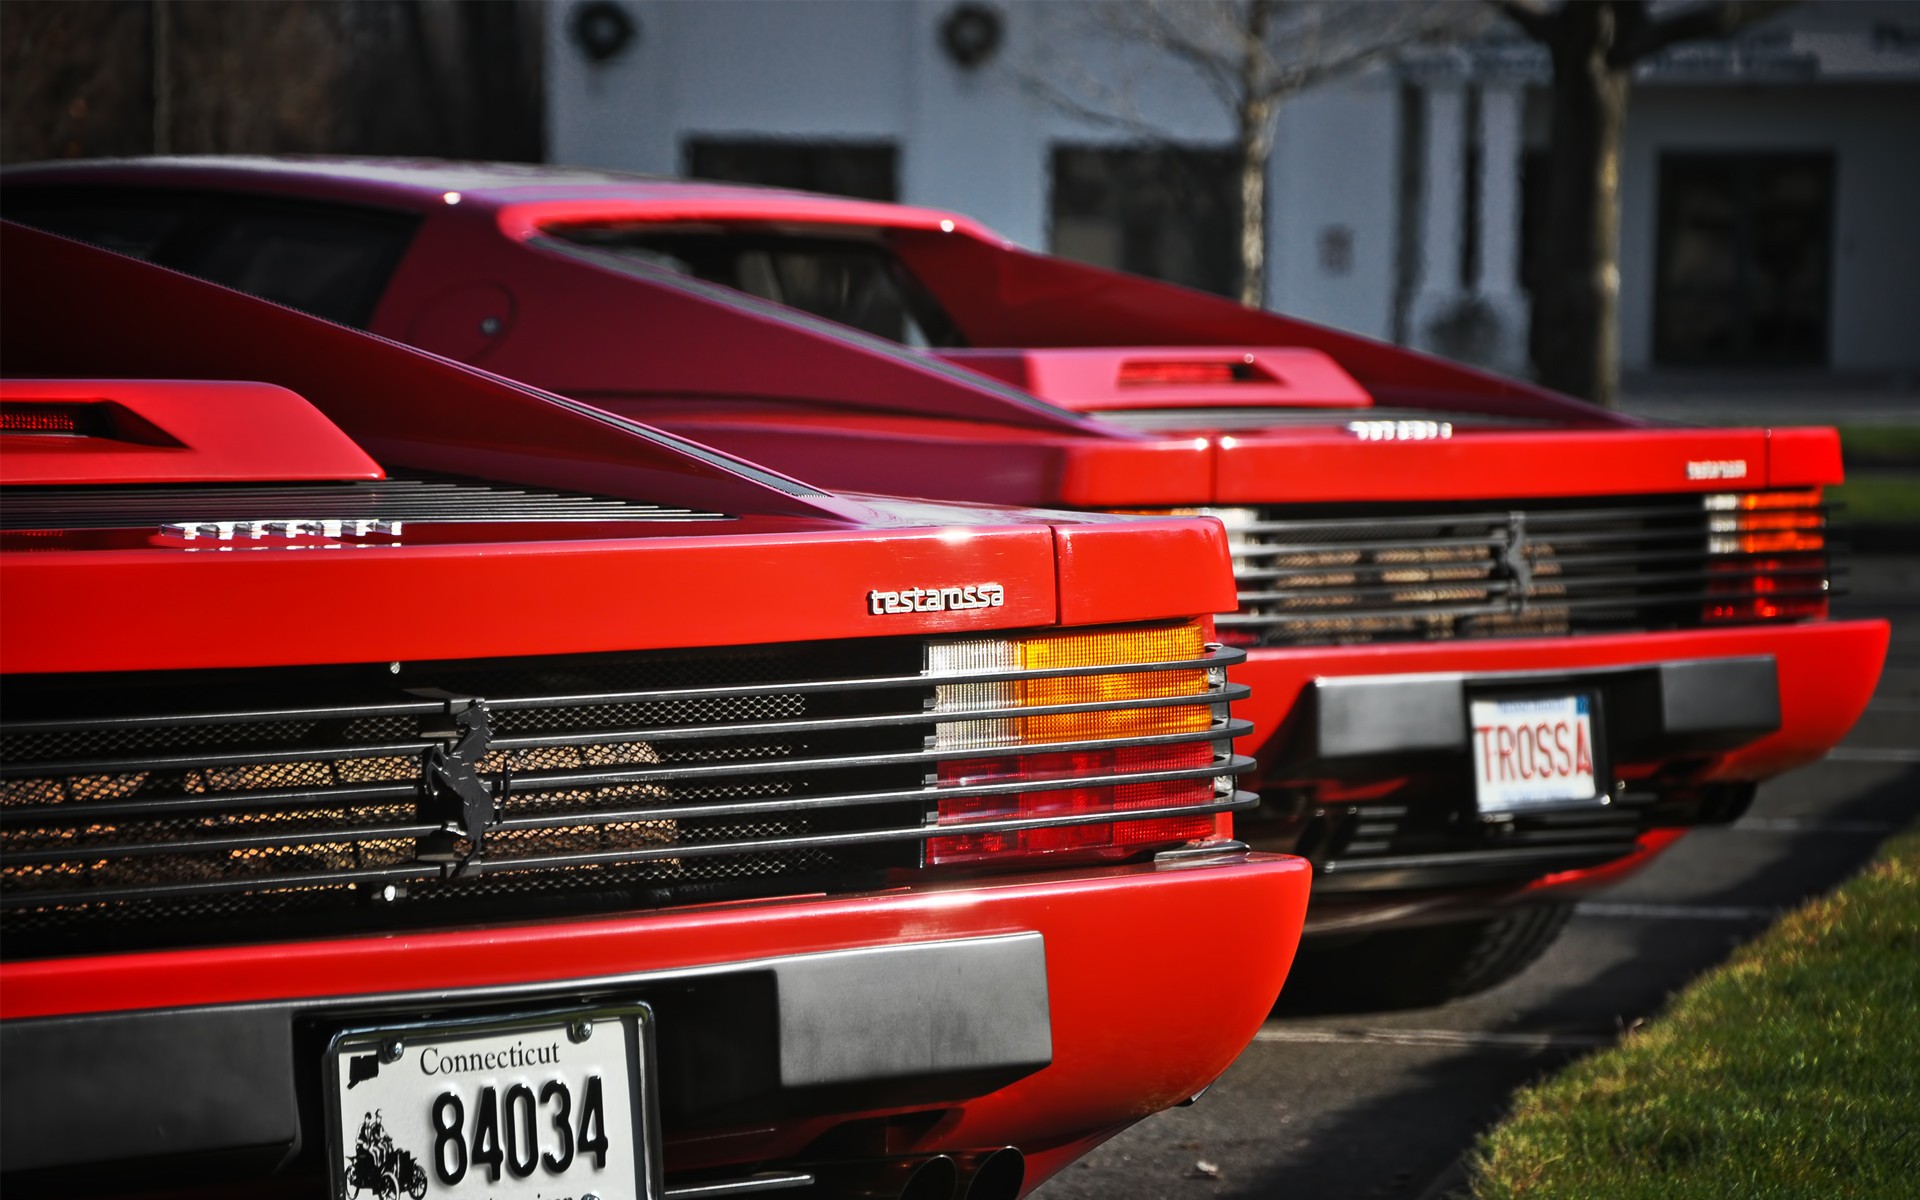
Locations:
136 229
850 280
330 264
329 260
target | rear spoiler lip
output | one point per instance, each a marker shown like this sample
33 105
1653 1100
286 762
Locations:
116 316
177 431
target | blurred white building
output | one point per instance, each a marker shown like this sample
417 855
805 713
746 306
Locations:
1770 184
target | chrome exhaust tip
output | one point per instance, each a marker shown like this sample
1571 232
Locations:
993 1174
933 1178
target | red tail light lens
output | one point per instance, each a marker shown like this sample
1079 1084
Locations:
1104 715
1767 556
1073 802
1188 373
70 420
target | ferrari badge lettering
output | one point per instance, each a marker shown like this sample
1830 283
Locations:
260 531
1400 431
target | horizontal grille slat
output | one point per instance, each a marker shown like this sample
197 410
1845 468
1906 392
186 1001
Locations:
245 841
398 498
854 799
1263 417
1438 843
23 814
415 708
1641 584
654 854
350 833
1368 573
600 736
140 802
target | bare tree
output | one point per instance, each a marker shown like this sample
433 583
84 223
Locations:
1251 55
273 76
1593 45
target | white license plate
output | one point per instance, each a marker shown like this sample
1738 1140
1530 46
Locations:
1534 752
535 1107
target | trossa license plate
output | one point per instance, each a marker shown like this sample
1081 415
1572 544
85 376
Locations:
1533 752
540 1107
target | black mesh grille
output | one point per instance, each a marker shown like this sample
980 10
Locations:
156 801
1375 846
1357 574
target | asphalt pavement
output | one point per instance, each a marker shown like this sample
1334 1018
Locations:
1385 1105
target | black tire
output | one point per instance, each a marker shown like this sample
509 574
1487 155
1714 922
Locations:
1415 968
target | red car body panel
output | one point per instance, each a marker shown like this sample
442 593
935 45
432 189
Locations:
1172 376
172 433
1133 423
791 565
1110 1069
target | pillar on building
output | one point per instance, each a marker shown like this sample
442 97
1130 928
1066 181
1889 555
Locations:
1438 295
1498 286
1468 304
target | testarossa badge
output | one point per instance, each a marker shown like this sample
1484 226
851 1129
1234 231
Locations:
936 599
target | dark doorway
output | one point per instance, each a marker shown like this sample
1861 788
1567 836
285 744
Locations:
1171 212
1745 259
864 170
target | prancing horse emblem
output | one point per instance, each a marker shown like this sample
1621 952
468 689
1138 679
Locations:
450 781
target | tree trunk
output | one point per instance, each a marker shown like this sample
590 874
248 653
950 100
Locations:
1256 147
1576 315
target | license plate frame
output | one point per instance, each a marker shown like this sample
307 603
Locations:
628 1110
1497 797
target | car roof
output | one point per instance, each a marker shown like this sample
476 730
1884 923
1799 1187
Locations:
423 184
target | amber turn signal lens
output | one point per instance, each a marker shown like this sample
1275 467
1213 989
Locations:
1104 705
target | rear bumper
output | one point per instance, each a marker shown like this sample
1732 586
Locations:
1707 688
1365 764
1656 711
998 1005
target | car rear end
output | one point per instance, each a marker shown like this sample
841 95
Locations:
1449 582
381 815
1504 646
1496 647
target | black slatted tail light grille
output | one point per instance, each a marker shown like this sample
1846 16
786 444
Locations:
175 802
1319 575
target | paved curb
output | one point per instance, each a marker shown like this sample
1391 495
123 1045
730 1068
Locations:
1450 1184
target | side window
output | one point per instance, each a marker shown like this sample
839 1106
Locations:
329 260
137 228
332 263
852 278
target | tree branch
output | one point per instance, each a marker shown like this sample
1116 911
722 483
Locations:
1094 112
1213 64
1337 40
1531 16
1706 20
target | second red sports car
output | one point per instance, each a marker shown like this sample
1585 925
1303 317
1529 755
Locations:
1503 645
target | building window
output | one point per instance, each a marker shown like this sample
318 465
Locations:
865 170
1171 212
1744 259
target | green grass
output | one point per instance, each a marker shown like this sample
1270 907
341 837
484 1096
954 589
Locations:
1793 1071
1883 475
1878 498
1880 445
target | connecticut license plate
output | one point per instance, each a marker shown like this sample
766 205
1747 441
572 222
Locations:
542 1107
1534 752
